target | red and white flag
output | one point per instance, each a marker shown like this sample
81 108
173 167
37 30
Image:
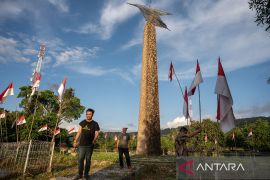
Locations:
62 89
43 128
2 115
36 83
71 130
7 92
56 131
196 81
170 76
115 137
205 138
185 106
225 114
20 121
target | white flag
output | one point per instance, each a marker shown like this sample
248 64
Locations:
35 84
2 115
20 121
196 81
7 92
62 89
43 128
56 131
225 114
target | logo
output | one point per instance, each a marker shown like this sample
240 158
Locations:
210 167
190 163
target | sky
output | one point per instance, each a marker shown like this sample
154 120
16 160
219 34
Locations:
98 46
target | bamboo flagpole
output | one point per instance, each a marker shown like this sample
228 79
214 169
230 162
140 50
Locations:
178 82
61 91
200 110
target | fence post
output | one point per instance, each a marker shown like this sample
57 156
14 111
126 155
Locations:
27 157
51 158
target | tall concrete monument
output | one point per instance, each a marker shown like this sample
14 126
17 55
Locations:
149 118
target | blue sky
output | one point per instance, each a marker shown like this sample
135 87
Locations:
98 46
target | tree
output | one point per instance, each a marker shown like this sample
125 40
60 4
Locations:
47 107
262 8
261 135
238 140
209 128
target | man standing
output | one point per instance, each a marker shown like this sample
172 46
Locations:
88 133
180 141
122 144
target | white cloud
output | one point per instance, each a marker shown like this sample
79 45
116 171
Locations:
179 121
9 51
112 14
100 71
259 110
91 70
61 5
75 55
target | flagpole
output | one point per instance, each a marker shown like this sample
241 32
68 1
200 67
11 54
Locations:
33 119
6 129
200 112
178 82
53 137
1 130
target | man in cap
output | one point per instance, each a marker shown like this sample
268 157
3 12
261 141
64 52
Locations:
181 139
122 144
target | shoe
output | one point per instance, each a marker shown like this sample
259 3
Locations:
129 167
87 177
77 177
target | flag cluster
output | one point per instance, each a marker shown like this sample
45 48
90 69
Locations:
225 115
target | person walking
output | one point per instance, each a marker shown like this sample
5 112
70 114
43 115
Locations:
88 133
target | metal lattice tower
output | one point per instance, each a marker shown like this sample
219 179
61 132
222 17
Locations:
41 55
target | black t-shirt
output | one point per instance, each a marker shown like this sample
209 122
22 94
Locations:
88 132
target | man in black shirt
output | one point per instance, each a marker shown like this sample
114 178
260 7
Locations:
88 133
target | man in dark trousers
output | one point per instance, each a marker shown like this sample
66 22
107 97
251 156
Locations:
88 133
180 141
122 144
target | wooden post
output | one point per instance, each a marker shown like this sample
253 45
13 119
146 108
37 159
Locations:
53 138
51 157
1 131
27 157
33 119
200 111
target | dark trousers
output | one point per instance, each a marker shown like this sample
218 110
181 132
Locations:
85 153
125 151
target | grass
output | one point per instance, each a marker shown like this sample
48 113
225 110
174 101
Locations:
150 167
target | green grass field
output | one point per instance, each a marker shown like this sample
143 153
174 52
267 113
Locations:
146 168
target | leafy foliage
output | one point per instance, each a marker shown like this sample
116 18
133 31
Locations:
262 8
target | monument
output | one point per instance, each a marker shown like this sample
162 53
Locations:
149 118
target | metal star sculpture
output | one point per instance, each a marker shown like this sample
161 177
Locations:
152 15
